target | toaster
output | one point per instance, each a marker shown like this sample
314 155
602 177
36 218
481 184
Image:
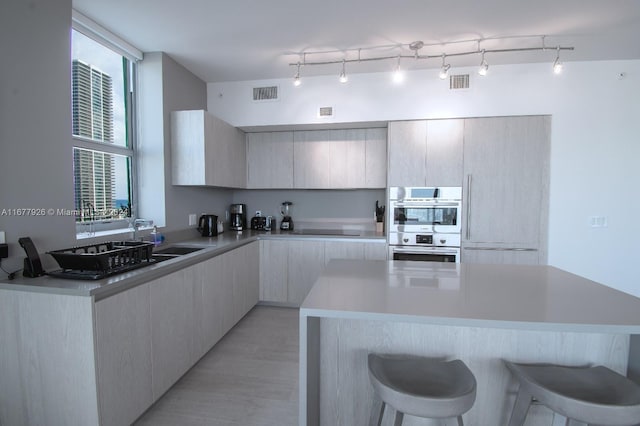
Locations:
258 223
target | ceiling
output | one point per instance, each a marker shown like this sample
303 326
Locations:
258 39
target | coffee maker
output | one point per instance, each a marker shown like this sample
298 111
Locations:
238 217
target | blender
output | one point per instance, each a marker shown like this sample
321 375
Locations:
287 223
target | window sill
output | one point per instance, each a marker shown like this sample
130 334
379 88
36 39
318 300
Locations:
105 233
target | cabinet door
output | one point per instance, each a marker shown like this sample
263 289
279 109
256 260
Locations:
270 160
347 158
226 152
343 250
123 351
407 153
306 262
500 256
172 302
188 164
273 270
213 302
444 152
311 159
375 158
245 279
376 251
507 180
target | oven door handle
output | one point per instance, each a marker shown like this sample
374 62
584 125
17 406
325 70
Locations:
420 250
425 205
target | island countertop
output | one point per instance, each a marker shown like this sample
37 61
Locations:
503 296
478 313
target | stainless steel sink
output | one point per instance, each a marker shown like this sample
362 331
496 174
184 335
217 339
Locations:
177 250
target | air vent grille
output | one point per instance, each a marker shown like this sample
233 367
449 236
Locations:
460 81
269 93
325 112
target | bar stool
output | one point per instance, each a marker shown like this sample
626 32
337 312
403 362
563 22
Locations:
592 395
422 387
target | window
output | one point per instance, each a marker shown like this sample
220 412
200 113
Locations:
102 84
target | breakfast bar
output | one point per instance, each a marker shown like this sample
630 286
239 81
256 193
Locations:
481 314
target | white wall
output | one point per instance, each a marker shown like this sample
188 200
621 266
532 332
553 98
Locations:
594 150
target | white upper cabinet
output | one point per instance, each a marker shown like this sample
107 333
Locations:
425 153
311 159
206 151
270 160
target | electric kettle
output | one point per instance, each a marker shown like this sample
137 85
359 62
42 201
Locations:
208 225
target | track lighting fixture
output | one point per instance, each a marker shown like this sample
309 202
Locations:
296 79
398 75
484 66
354 55
444 70
343 75
557 64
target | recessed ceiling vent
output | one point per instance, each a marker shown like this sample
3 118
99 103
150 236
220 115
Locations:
460 81
269 93
324 112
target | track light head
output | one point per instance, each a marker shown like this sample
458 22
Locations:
398 75
484 66
296 78
444 70
557 64
343 75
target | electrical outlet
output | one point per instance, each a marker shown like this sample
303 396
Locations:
2 240
192 219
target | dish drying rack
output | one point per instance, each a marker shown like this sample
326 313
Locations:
98 261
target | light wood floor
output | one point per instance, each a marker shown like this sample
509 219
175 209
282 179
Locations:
250 378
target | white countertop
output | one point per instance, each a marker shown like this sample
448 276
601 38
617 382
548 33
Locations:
502 296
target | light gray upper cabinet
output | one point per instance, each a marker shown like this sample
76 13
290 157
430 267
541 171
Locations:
506 191
407 153
339 159
426 153
206 151
444 152
311 159
375 158
270 160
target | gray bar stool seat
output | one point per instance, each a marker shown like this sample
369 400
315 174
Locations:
592 395
422 387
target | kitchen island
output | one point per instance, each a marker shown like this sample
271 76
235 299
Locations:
480 314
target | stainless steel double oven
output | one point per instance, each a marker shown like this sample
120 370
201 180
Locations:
424 223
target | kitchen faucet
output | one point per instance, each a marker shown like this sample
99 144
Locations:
136 224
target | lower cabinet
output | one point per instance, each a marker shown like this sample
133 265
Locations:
147 337
123 352
288 269
501 256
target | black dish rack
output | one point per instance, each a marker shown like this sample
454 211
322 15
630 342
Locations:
98 261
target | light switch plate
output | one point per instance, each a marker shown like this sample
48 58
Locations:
2 237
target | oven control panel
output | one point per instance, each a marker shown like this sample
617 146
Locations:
424 239
430 240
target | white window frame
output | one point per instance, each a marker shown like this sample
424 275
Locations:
96 32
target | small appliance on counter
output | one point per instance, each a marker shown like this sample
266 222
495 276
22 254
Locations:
208 225
258 223
238 217
287 223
